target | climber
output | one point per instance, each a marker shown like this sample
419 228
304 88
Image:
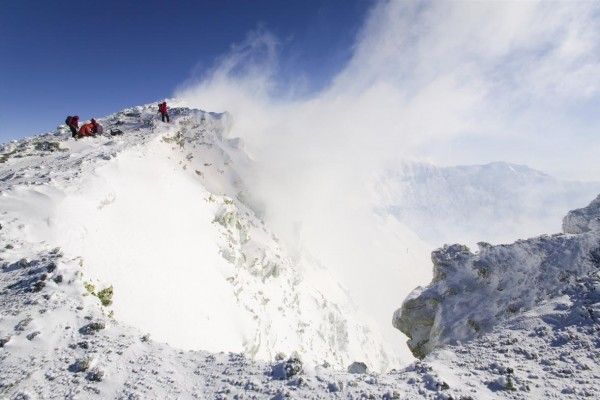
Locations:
98 129
90 129
86 130
164 111
73 124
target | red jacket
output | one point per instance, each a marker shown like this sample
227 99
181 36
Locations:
74 122
162 107
87 130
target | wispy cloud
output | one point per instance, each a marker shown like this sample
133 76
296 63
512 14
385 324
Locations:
449 82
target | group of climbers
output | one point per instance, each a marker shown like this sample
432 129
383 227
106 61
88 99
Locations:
93 128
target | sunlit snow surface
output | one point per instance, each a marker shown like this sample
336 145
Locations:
162 214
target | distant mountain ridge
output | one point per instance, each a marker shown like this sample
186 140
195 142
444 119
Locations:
495 202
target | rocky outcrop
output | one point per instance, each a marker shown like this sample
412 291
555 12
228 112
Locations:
472 292
584 219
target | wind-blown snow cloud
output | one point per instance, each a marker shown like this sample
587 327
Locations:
448 82
424 76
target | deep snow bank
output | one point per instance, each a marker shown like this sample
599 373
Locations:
472 292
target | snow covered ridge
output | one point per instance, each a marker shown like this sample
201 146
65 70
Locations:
78 228
159 216
472 292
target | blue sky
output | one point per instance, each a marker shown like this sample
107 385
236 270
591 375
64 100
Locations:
458 82
92 58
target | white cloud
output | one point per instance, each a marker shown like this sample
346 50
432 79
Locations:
451 82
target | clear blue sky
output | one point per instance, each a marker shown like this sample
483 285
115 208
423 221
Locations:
92 58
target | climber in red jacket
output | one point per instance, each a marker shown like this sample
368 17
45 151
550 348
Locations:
90 129
86 130
164 111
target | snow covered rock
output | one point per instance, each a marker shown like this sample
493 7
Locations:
92 328
288 368
584 219
472 292
95 375
357 367
4 340
80 365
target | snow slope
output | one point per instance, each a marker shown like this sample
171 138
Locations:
161 215
496 202
56 342
80 216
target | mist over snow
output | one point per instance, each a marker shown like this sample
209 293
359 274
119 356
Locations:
470 204
449 83
425 76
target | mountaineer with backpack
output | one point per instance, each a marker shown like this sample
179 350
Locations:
90 129
73 124
164 111
98 129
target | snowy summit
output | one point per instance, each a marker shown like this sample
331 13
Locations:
137 265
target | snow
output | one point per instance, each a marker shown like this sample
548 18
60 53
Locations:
208 303
471 292
138 227
161 215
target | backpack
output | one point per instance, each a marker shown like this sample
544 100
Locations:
68 120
